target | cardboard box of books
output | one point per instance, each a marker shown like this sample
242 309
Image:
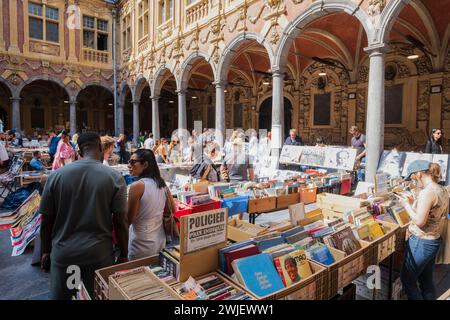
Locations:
262 204
339 203
239 230
101 286
139 284
211 286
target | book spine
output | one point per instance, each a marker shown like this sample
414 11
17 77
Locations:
279 270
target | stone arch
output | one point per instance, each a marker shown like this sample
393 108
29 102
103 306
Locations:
388 16
314 11
71 96
230 49
122 90
11 89
93 83
155 86
188 64
139 86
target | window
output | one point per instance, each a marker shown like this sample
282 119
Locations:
393 104
126 34
43 22
95 33
322 109
143 19
165 10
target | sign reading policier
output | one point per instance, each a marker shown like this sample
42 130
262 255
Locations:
205 229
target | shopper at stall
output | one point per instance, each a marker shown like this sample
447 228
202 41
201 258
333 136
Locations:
162 152
293 139
79 204
122 144
320 142
427 214
236 167
36 163
359 143
146 202
52 144
108 148
205 170
434 143
64 152
174 150
149 143
4 158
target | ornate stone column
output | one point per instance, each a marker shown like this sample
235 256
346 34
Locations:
136 121
182 115
375 111
155 117
277 110
15 113
220 112
120 121
73 116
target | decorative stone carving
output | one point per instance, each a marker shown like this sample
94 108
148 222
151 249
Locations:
403 70
361 106
14 79
375 7
363 74
44 48
423 65
276 8
274 37
194 43
423 108
241 22
165 31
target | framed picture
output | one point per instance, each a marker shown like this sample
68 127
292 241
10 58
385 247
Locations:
340 158
313 156
290 154
391 162
442 161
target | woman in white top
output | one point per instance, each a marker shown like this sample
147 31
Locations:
146 202
427 217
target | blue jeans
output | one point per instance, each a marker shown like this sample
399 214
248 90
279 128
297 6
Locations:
361 172
418 266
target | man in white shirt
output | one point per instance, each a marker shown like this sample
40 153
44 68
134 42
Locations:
149 143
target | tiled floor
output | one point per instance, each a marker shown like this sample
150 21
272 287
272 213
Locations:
20 280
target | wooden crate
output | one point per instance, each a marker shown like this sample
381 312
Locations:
339 203
219 274
386 245
116 292
313 287
346 268
237 234
286 200
262 204
101 284
400 238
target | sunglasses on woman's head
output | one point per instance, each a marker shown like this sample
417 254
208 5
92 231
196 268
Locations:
133 161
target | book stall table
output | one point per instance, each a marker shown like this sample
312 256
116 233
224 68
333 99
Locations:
27 177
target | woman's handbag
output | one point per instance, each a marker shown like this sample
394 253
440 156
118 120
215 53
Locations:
169 220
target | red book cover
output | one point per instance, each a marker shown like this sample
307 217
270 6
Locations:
222 296
310 232
279 269
247 251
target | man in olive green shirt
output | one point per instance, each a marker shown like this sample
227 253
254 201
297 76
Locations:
79 205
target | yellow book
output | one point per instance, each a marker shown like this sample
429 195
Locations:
375 230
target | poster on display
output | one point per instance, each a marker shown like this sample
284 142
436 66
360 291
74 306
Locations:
312 156
411 157
283 174
442 161
205 229
340 158
266 166
391 162
290 154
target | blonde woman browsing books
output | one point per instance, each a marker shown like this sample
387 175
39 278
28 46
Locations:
427 216
146 202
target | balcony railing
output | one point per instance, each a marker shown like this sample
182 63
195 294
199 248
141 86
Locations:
197 11
95 56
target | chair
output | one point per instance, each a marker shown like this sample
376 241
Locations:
8 179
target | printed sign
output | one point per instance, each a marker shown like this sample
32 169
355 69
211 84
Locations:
205 229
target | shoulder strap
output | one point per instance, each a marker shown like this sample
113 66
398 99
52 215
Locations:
206 172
